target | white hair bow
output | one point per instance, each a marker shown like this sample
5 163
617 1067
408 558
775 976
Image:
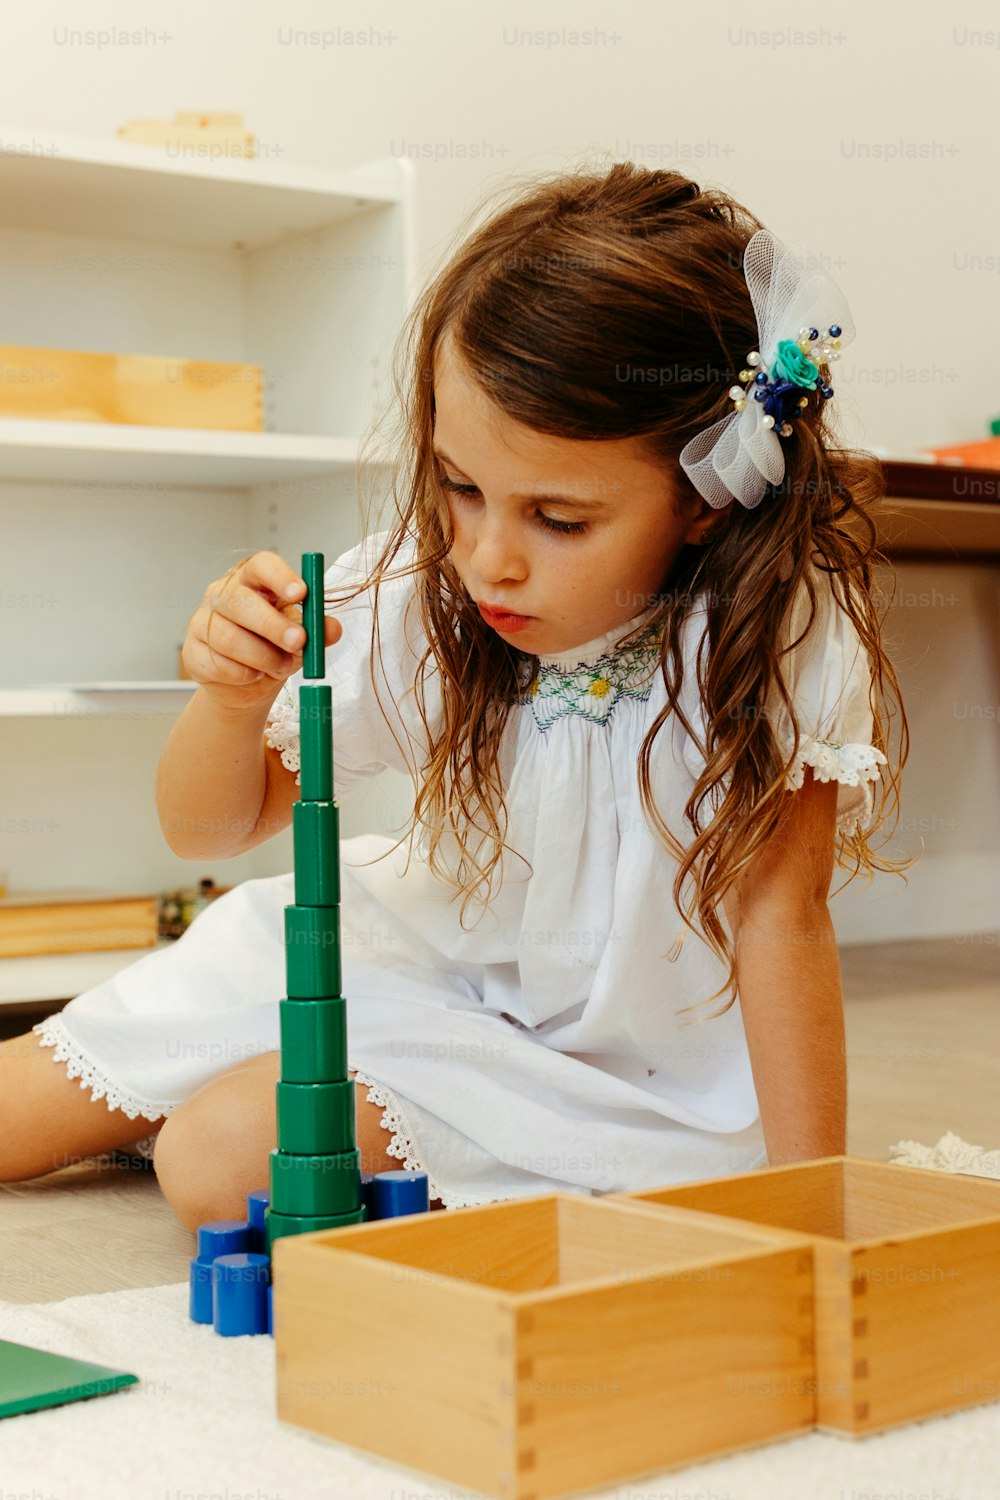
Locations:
803 320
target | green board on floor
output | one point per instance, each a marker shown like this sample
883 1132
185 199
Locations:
33 1378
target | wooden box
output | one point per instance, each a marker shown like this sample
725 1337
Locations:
907 1279
197 133
75 920
68 385
538 1347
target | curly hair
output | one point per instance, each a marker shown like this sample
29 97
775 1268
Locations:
569 277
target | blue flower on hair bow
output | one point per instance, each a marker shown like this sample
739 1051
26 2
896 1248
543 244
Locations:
740 455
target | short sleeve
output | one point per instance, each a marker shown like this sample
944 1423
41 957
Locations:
828 678
363 727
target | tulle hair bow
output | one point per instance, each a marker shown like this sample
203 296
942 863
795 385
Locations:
803 321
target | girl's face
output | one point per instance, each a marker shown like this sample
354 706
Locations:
580 536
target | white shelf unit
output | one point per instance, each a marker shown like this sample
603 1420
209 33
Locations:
101 452
112 532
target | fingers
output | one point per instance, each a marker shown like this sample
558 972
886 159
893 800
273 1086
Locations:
266 570
249 625
236 652
262 597
246 600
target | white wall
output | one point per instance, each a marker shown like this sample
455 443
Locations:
863 134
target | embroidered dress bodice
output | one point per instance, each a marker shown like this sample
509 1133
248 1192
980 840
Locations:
590 680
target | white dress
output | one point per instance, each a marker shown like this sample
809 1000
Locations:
538 1049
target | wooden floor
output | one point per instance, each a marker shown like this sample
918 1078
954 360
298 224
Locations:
923 1044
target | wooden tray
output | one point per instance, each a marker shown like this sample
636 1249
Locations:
907 1279
75 920
541 1346
72 385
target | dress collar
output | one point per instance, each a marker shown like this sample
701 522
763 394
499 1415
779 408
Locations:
592 651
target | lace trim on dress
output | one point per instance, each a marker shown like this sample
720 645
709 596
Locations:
282 731
52 1033
851 765
403 1145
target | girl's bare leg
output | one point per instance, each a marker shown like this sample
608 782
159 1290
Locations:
215 1148
47 1119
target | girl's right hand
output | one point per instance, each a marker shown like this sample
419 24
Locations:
236 645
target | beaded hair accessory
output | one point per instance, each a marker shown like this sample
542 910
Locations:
803 321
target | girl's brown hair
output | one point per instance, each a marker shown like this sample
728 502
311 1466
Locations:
571 280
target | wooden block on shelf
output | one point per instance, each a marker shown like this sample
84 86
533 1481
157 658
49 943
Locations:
68 385
907 1279
222 132
538 1347
79 920
212 119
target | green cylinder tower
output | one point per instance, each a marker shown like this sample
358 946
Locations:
316 1169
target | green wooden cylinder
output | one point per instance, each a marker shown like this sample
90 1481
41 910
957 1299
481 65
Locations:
314 655
316 836
314 1040
315 1118
311 1186
312 951
278 1226
316 741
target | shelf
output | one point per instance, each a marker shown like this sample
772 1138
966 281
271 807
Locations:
111 188
305 273
940 512
62 976
93 699
950 483
169 457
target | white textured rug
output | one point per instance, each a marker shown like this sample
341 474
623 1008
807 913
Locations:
201 1423
951 1154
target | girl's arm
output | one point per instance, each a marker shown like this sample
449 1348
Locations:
212 778
788 974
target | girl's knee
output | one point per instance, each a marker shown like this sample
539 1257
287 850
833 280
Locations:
184 1171
205 1180
215 1147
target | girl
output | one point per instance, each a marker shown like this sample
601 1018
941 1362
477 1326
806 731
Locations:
622 637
